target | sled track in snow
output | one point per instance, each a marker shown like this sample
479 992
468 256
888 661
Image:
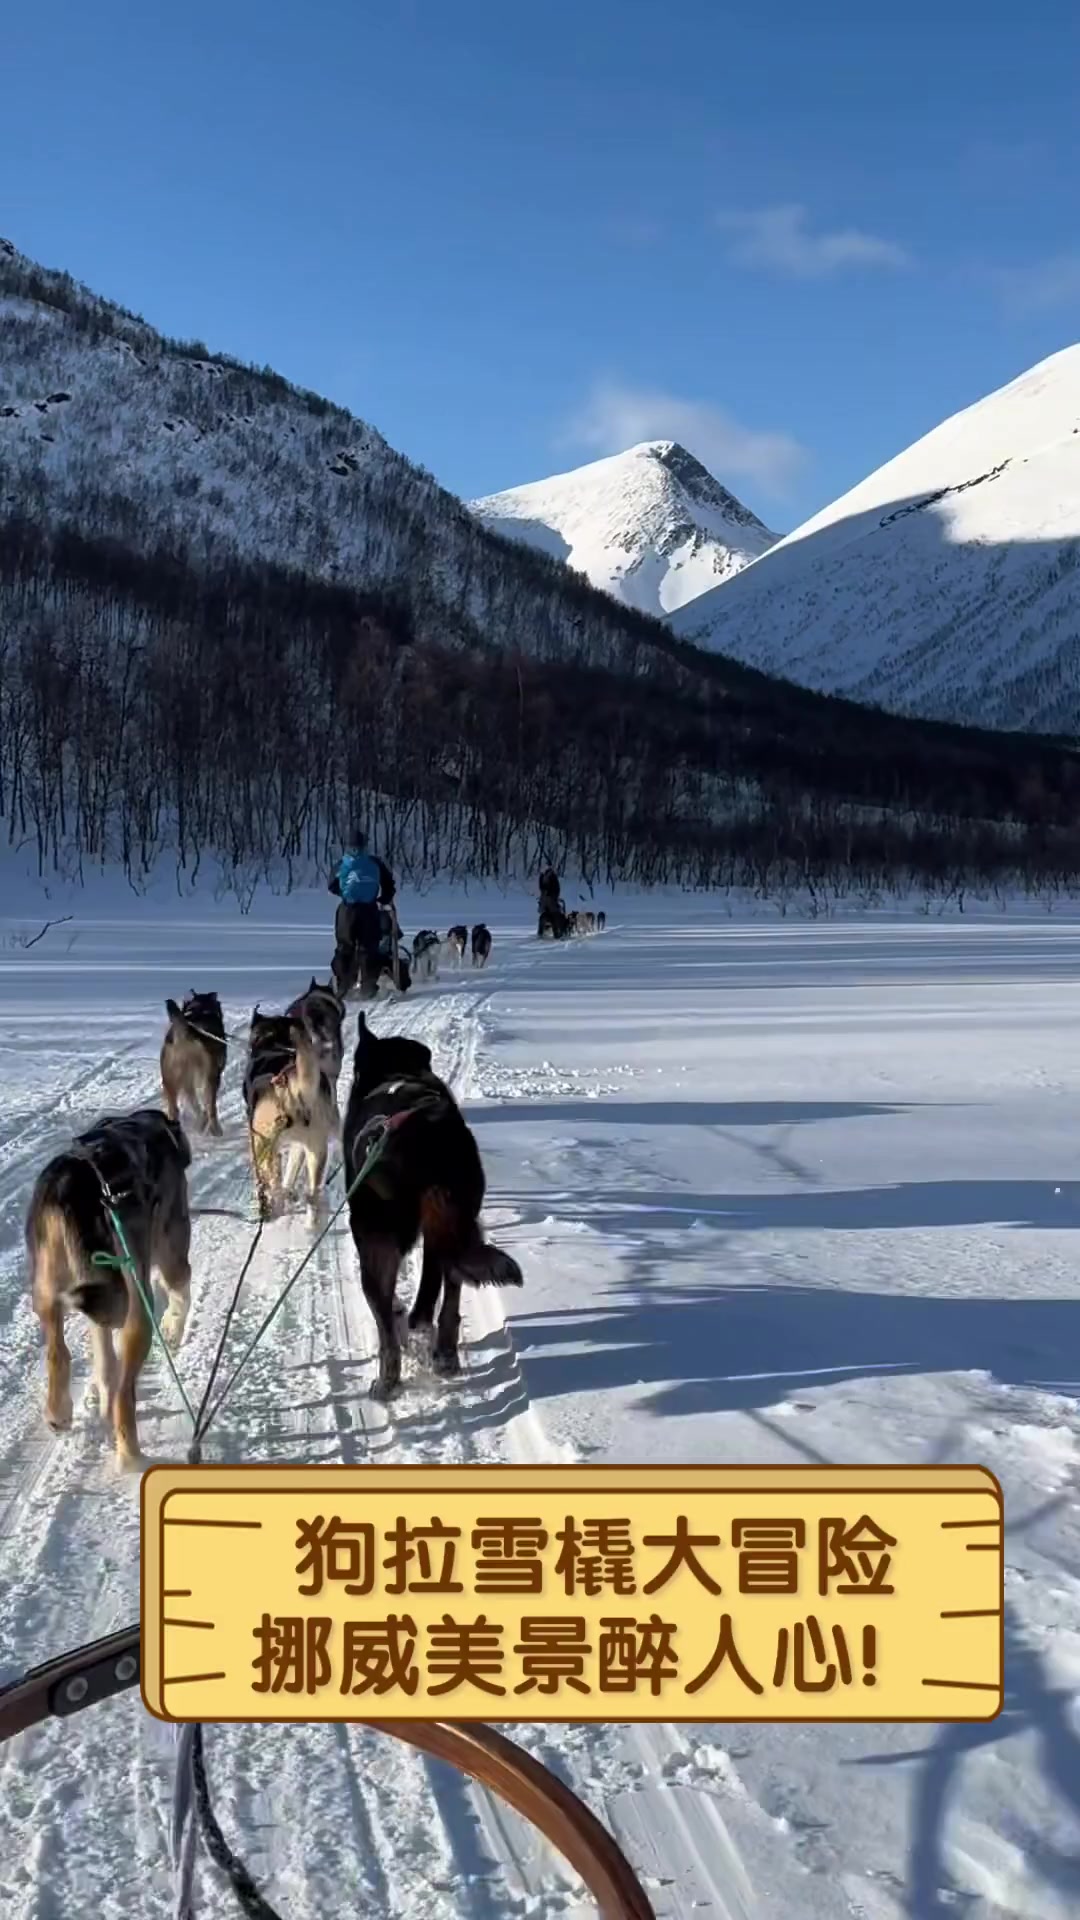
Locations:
329 1819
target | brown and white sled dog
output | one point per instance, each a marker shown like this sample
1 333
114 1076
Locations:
291 1107
193 1056
427 1183
323 1013
141 1159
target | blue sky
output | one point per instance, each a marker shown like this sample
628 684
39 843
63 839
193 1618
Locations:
514 238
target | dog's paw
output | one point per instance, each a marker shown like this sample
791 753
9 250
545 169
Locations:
58 1418
384 1390
99 1403
130 1459
172 1329
417 1338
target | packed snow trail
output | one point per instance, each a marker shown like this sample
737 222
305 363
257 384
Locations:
722 1262
303 1397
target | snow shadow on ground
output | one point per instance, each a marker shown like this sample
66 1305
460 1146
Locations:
760 1343
904 1205
1032 1708
680 1113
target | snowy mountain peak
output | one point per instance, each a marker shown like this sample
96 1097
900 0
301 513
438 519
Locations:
699 484
947 583
651 526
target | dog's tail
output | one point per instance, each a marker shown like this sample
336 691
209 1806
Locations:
455 1238
482 1264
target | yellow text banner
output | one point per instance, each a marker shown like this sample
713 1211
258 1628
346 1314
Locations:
572 1593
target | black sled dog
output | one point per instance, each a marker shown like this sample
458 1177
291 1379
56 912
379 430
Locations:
428 1183
193 1056
481 945
142 1158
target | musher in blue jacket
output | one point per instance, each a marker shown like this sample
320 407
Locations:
363 883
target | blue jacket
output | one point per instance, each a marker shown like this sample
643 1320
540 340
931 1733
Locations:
361 879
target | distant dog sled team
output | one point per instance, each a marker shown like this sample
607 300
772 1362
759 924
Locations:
111 1210
554 922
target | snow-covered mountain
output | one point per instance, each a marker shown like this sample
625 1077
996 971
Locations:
947 584
228 608
650 526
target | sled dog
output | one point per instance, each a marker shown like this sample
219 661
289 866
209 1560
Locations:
323 1014
425 950
290 1104
427 1184
136 1164
193 1056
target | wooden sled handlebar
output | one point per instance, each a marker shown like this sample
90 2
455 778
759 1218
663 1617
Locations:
104 1668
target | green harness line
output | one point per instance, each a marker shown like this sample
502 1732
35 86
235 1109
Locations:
374 1155
124 1262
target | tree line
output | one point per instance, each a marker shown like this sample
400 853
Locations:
154 704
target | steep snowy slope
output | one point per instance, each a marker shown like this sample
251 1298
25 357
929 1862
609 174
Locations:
650 526
111 429
947 584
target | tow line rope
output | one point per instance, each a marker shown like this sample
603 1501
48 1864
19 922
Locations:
192 1786
125 1262
382 1129
191 1790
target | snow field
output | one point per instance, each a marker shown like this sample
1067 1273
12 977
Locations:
780 1193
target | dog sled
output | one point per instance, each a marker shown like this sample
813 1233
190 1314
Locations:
101 1669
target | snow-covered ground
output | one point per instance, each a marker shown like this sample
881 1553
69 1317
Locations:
781 1192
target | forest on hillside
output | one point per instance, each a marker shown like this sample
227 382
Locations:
152 704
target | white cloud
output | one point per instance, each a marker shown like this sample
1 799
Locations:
1040 286
779 238
616 417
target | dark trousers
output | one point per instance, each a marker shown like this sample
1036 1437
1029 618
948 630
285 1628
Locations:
357 931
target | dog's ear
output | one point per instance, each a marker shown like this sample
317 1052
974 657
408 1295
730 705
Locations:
174 1012
314 984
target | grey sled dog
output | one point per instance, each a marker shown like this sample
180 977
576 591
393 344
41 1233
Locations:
193 1056
291 1105
322 1012
141 1159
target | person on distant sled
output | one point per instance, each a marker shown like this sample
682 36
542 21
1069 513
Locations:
363 883
552 923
